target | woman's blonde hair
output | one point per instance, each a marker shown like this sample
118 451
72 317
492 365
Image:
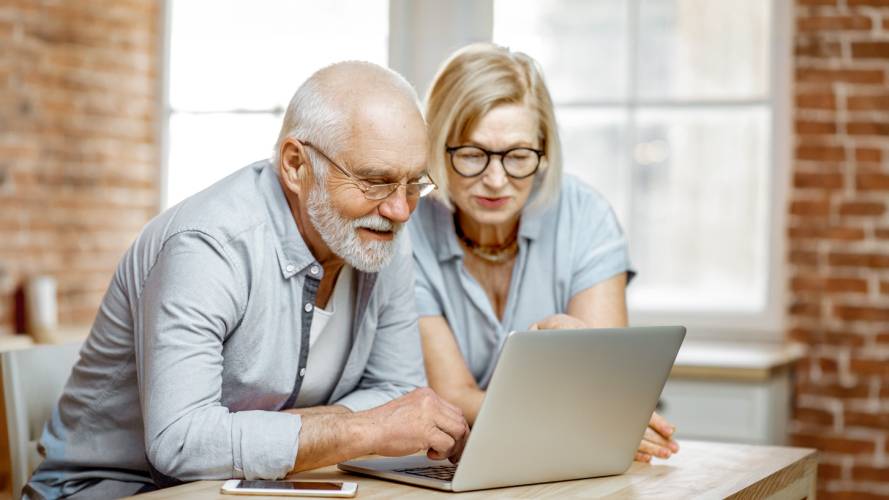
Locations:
472 82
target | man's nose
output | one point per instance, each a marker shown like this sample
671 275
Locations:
396 207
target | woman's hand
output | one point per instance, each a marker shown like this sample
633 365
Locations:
657 440
558 322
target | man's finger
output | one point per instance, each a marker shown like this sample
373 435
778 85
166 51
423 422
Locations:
442 445
642 457
453 426
458 449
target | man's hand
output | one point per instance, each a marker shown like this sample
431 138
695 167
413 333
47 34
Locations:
558 322
419 421
657 440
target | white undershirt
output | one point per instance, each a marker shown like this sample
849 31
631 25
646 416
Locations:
330 341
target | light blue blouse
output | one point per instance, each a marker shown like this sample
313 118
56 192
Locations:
564 248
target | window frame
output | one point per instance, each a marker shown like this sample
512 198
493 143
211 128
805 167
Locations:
420 38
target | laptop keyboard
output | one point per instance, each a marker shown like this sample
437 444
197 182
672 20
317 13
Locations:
442 472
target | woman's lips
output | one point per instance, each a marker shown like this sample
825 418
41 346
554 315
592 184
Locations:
487 202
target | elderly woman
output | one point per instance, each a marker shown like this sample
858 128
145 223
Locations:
508 243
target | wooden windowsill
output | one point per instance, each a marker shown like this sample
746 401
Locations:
734 361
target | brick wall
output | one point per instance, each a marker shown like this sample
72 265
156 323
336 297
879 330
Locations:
79 84
839 242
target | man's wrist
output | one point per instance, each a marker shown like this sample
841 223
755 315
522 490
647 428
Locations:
365 433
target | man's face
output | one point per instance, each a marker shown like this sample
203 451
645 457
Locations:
388 147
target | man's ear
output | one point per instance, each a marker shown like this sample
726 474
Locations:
293 164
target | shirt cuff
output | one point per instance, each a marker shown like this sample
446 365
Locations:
364 399
264 443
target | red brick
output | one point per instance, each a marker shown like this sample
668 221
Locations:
878 102
863 208
858 390
810 207
818 181
867 3
884 287
835 338
816 101
833 443
868 154
866 473
859 76
861 419
879 367
870 50
872 182
816 2
820 153
882 233
803 257
830 285
848 494
829 471
808 127
813 416
867 128
865 260
818 48
833 23
810 309
839 233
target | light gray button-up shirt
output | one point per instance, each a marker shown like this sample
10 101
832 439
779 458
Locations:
565 248
202 338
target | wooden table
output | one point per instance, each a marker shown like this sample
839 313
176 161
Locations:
700 470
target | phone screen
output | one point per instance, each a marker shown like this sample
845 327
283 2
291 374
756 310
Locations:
290 485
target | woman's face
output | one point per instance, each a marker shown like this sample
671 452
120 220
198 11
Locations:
493 197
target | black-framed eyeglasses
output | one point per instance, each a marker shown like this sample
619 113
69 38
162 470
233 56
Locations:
375 191
471 161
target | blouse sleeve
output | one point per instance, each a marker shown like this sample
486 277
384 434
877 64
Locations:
600 248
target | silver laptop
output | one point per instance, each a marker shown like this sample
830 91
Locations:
562 404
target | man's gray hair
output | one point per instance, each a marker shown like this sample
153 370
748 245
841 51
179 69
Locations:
314 115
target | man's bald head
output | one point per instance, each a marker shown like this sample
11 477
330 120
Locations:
345 98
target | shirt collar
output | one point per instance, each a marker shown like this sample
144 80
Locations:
293 254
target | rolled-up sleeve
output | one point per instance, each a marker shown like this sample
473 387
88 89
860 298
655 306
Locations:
395 365
192 298
600 250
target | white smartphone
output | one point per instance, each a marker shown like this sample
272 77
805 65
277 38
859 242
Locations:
295 488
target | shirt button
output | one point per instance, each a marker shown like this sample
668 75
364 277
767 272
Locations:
290 268
308 307
314 270
302 372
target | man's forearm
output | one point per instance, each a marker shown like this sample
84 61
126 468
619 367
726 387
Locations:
332 437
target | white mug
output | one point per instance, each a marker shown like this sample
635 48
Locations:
41 308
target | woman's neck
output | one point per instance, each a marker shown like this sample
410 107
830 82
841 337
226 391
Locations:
488 235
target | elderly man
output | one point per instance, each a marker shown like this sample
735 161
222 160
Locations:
267 324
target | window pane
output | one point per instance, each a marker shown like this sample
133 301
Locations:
702 49
699 223
227 54
206 148
581 44
593 149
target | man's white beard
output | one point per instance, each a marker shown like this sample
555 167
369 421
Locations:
341 234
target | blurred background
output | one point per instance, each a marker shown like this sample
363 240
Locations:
744 145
